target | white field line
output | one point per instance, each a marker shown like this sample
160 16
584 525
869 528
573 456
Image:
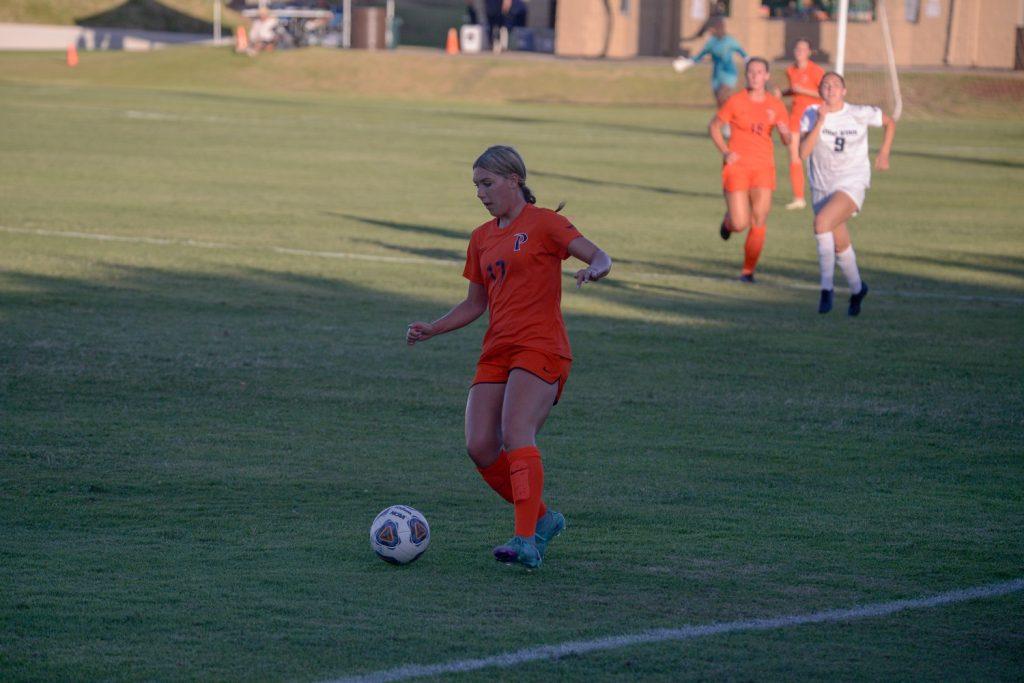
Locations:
582 647
421 260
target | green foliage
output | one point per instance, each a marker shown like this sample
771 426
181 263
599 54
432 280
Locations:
201 412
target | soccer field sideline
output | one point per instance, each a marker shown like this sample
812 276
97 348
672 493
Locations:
778 282
555 652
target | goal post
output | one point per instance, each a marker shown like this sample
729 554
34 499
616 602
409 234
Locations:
893 95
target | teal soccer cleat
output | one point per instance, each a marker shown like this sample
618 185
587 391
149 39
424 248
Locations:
518 550
548 526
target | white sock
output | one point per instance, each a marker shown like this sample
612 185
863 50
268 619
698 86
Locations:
848 264
826 258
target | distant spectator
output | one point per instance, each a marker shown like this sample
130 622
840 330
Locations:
263 32
493 10
513 14
471 16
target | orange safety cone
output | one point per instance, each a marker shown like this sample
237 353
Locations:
452 46
241 40
72 57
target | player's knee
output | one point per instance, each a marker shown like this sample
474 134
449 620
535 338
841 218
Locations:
517 436
821 226
741 224
482 450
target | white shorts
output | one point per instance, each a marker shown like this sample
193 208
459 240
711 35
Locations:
856 192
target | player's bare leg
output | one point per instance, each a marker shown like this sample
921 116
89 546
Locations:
737 213
796 174
483 423
760 205
833 241
527 404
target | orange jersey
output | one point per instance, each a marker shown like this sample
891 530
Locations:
809 78
521 267
752 124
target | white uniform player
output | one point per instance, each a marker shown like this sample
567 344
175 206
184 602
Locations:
839 161
834 142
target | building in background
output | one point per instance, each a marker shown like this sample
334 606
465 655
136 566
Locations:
959 33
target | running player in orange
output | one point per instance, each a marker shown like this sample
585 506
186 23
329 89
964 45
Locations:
514 268
748 160
804 80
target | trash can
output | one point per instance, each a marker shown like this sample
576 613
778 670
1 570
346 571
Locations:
368 24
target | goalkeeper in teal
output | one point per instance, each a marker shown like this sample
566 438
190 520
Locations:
722 47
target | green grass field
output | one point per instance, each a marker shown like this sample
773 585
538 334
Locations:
205 394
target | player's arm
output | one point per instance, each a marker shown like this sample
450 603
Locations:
715 131
797 90
882 160
471 308
598 262
700 55
809 139
785 134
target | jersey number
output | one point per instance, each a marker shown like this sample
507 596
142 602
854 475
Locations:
758 128
491 267
840 144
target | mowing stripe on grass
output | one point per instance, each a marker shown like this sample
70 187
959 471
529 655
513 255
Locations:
581 647
419 260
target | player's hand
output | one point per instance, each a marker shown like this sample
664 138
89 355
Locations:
418 332
882 162
588 275
730 158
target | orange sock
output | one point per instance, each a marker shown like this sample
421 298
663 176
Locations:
752 248
497 477
527 475
796 179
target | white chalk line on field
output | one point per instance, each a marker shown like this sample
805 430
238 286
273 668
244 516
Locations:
582 647
425 260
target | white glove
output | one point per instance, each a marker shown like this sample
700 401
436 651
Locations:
681 64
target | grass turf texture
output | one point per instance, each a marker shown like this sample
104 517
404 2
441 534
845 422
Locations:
193 441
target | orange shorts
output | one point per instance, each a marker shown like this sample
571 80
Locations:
795 115
738 177
495 365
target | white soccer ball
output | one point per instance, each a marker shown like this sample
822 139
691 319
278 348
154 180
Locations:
399 534
681 64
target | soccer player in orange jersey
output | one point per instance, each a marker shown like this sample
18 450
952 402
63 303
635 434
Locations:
804 78
748 160
514 268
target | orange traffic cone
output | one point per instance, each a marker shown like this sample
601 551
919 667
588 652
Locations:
452 46
72 57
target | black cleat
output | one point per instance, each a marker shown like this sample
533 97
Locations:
747 277
856 299
825 302
724 231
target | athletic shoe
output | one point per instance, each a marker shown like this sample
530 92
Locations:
548 526
724 231
825 303
518 550
856 299
747 277
798 203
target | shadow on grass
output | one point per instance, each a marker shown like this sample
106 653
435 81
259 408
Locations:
627 186
214 444
978 161
616 127
404 227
